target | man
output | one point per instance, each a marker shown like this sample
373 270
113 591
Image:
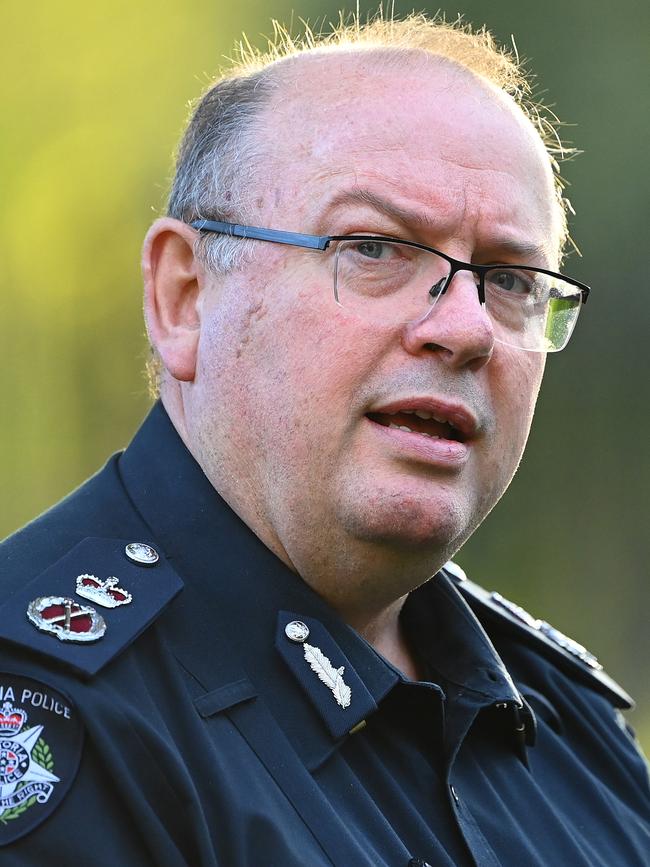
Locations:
228 647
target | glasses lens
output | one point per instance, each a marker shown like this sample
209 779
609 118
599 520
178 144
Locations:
388 281
531 310
393 282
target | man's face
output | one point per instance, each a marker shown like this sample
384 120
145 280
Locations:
290 408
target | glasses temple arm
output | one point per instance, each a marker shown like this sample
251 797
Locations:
295 239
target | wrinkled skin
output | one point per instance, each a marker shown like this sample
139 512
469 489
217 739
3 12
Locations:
269 381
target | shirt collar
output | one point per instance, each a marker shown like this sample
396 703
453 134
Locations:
449 637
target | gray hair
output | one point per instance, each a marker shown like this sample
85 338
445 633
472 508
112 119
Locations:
217 164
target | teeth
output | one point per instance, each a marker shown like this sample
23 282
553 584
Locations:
420 413
408 430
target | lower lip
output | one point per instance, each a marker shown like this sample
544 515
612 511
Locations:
439 452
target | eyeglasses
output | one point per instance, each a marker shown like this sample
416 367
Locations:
388 280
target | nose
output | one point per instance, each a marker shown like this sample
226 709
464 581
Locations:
457 327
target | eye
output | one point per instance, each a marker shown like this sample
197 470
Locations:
513 282
372 249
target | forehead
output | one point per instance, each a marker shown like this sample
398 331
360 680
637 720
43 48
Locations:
416 128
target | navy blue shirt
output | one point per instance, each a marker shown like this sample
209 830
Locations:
196 732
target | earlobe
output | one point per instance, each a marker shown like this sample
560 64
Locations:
172 286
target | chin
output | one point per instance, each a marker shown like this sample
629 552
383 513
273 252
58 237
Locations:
408 521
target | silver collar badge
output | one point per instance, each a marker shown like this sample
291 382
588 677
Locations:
298 632
330 676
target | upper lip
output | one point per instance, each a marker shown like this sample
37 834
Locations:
454 413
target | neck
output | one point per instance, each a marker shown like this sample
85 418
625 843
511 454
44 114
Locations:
386 635
367 585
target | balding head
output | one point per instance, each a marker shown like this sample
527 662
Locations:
223 156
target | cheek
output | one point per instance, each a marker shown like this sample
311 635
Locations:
322 351
233 377
285 358
324 364
517 379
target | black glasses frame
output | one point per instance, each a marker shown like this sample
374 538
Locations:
322 242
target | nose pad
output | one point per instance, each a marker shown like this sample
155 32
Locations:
435 292
437 289
442 287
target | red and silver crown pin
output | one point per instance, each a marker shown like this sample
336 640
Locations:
106 593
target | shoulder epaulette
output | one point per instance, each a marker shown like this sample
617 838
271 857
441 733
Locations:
91 604
552 643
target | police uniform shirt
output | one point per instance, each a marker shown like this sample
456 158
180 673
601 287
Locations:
229 717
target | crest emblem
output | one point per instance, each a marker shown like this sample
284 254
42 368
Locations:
26 764
66 619
327 674
41 736
107 593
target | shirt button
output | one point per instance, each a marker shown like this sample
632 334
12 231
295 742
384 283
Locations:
297 631
142 554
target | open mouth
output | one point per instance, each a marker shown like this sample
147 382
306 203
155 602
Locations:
419 421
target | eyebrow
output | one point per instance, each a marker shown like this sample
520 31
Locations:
407 217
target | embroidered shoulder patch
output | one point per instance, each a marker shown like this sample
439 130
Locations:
40 747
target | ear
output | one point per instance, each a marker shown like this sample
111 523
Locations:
172 286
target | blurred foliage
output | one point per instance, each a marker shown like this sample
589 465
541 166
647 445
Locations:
94 97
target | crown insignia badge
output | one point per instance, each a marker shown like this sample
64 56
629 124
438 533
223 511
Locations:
107 593
12 719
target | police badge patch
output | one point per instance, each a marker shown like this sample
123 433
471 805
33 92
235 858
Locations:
40 747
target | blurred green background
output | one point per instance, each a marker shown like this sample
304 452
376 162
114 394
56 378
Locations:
94 97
